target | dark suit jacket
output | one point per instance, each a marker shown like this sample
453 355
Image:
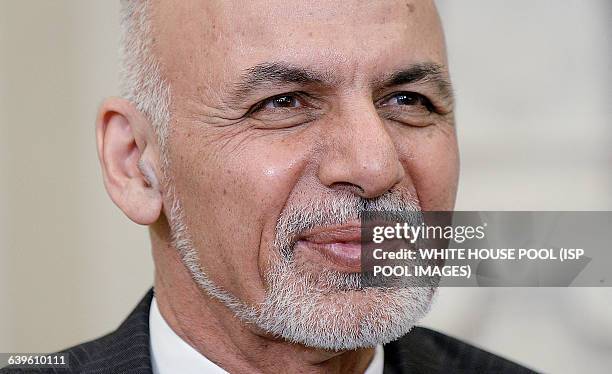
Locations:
126 350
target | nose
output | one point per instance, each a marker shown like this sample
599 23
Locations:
359 153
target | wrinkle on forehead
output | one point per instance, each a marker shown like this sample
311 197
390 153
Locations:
256 19
329 11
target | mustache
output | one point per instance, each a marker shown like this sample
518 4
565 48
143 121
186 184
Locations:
340 208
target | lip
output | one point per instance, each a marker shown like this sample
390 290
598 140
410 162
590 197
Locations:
339 244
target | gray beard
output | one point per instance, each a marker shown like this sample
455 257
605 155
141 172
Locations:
327 309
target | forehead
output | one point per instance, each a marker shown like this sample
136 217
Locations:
215 40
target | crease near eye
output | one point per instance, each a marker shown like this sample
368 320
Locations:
408 108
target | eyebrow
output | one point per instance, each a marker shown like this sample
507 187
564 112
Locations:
276 73
427 73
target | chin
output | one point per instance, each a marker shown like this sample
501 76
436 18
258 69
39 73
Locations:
328 310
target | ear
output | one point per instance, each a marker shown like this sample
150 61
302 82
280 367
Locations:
129 157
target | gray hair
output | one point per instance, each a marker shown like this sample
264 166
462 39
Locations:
140 79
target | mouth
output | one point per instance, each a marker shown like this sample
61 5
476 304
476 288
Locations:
339 245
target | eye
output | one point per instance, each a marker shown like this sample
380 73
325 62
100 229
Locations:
407 99
280 101
285 110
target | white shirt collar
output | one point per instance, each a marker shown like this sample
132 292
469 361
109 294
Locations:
171 354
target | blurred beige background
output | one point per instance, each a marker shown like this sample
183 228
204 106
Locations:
533 86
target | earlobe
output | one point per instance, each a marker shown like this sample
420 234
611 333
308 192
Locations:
126 157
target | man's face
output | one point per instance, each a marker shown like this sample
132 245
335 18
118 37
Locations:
306 112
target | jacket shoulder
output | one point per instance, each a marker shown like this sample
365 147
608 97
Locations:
125 350
426 351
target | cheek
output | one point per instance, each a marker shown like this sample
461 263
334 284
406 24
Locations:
432 163
232 197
